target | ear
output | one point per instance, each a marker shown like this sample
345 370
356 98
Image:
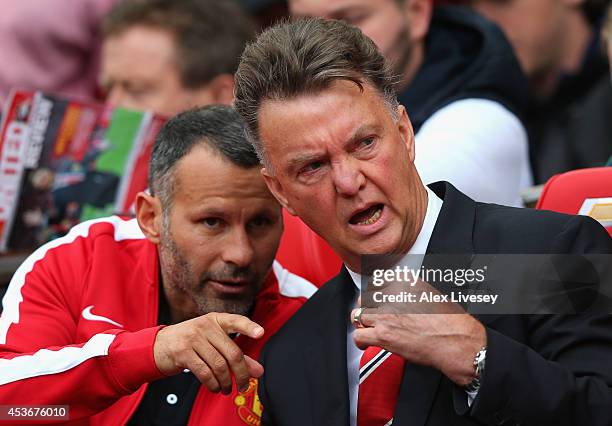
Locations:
222 89
406 131
149 216
418 15
277 190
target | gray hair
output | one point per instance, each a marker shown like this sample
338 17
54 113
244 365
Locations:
217 127
302 57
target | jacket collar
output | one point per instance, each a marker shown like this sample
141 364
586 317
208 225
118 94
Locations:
455 225
326 360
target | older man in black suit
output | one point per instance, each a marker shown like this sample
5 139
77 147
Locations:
339 152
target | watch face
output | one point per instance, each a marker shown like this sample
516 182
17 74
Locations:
479 361
473 386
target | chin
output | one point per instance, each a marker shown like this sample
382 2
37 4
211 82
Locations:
238 307
378 245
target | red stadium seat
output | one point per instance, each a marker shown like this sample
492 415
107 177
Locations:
306 254
585 191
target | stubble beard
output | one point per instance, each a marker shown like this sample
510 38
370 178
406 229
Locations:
179 277
404 49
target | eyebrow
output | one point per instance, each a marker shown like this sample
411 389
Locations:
363 130
300 159
210 212
214 212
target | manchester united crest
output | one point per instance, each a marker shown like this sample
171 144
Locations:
249 406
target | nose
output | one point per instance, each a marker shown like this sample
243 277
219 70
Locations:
238 249
347 177
115 96
118 96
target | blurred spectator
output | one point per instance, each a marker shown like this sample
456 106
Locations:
559 47
461 85
607 33
51 45
171 55
266 12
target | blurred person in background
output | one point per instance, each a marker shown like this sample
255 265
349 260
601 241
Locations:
266 12
607 33
171 55
558 43
52 45
461 85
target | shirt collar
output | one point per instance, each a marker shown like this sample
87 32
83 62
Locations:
434 205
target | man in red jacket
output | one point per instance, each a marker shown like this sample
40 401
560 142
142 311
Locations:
159 319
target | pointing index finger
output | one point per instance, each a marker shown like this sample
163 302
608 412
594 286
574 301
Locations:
232 323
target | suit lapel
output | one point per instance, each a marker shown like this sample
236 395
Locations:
452 235
326 360
417 393
451 245
455 225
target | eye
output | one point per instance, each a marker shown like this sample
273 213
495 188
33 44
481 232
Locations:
312 171
137 90
315 165
312 167
367 142
260 222
354 18
211 222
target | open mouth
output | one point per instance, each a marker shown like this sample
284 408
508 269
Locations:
368 216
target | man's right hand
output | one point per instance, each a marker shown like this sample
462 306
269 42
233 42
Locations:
203 346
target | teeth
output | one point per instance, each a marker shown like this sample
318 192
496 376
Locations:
372 218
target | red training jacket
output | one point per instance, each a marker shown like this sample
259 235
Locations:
79 323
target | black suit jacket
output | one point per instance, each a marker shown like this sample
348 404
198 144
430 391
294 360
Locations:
540 370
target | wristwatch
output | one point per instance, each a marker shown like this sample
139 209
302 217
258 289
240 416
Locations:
479 364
